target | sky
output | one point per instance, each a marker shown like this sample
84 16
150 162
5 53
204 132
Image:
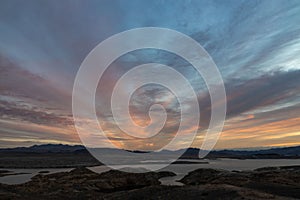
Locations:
255 45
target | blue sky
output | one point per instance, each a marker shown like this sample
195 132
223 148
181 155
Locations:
255 44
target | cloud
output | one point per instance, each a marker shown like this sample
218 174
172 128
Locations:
32 109
20 133
34 115
255 45
263 91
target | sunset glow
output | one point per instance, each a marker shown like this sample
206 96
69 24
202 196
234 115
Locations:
256 49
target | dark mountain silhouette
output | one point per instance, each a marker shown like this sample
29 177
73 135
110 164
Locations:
281 152
46 148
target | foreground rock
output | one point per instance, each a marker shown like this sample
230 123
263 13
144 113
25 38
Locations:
81 183
201 192
278 181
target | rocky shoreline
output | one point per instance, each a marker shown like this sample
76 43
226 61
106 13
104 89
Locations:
82 183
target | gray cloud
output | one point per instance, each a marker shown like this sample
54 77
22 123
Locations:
254 43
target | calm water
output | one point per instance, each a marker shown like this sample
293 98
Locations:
180 169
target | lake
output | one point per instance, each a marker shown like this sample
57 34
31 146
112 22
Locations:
180 169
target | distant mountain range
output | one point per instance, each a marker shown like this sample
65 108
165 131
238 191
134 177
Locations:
45 148
191 153
272 153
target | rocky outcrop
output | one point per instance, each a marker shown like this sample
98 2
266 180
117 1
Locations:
200 192
80 183
281 181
